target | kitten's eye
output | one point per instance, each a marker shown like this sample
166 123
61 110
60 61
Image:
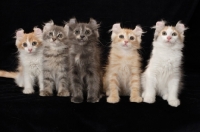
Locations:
60 35
34 43
174 34
50 34
121 36
25 44
77 32
131 38
164 33
87 32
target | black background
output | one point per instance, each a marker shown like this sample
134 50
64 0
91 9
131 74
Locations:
19 112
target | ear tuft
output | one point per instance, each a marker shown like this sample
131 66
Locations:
180 27
159 25
19 34
138 31
116 28
48 25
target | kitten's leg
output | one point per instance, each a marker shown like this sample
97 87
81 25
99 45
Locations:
149 92
113 87
173 87
63 86
135 88
76 87
41 81
48 84
19 80
28 83
93 82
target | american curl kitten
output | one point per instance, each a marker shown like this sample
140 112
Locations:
122 75
163 73
30 60
84 57
55 60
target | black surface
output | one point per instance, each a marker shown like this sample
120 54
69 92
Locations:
19 112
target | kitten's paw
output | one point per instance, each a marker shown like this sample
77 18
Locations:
174 103
92 99
149 100
63 93
112 99
165 97
28 91
76 99
45 93
136 99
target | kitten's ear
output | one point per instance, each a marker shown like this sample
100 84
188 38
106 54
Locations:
138 31
116 28
72 21
48 25
37 32
19 34
180 27
159 25
93 23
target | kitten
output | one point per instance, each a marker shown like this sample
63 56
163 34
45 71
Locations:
84 59
30 60
122 75
163 73
55 60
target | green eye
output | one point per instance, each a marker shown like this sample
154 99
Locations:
77 32
164 33
121 36
25 44
87 32
131 38
34 43
174 34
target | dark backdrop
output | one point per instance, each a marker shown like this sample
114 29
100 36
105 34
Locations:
19 112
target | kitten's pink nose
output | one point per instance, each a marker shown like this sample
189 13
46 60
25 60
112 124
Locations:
169 37
29 50
125 42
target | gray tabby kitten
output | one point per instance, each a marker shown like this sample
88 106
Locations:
55 58
84 57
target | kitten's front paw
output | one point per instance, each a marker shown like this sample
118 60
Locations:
28 91
76 99
165 97
63 93
149 100
92 99
174 103
112 99
45 93
136 99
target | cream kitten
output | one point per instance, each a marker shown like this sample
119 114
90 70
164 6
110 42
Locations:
163 73
122 75
30 60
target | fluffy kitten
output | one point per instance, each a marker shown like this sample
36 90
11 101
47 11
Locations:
30 60
163 73
122 75
55 60
84 60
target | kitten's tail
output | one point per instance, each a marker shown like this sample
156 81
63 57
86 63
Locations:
8 74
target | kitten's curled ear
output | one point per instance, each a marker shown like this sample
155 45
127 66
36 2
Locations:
72 21
116 28
94 26
180 27
138 31
48 25
66 28
19 35
38 32
159 26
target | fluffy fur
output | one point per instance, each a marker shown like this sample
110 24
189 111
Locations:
30 60
163 73
84 60
122 75
55 60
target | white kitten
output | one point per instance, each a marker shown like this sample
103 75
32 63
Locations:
163 73
30 60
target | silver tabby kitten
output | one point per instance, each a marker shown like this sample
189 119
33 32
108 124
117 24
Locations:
55 57
84 60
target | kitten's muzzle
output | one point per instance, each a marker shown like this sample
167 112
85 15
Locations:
54 39
82 36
